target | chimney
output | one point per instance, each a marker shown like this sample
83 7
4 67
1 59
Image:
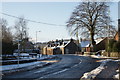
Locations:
71 40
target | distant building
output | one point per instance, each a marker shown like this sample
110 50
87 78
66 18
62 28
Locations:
61 47
86 45
27 47
116 36
40 46
27 44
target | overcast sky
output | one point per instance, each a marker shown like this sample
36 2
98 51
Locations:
48 12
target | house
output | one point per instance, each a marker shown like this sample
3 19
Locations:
101 43
61 47
116 36
27 44
86 45
40 46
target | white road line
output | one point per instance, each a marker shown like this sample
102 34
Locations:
58 71
54 73
39 71
77 64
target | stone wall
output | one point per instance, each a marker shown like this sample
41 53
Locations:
112 54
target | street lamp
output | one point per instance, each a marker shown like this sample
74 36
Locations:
36 37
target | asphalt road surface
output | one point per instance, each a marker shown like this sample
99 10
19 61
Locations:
70 67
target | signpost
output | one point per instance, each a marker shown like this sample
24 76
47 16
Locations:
18 51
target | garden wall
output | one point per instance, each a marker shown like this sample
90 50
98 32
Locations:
112 54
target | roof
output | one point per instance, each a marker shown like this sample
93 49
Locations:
116 34
88 45
85 43
99 40
63 45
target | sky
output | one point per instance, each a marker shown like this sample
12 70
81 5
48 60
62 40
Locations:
119 9
47 12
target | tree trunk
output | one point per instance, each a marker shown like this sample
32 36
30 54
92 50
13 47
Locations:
92 41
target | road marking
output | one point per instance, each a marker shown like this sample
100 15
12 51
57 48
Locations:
39 71
58 71
53 73
77 64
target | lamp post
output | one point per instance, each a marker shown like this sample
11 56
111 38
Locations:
36 38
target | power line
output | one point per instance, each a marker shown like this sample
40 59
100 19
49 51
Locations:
31 20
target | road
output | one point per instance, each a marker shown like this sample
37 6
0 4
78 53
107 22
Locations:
70 67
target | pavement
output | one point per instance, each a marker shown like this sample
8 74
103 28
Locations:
109 71
13 68
27 59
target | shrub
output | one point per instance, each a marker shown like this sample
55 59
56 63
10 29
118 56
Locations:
110 44
116 47
8 47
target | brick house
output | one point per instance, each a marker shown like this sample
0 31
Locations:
86 46
61 47
116 36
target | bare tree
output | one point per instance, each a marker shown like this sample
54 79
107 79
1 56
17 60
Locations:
7 38
6 33
21 31
91 18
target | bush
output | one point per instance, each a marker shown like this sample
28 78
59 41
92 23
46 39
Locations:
113 48
116 47
8 47
109 46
